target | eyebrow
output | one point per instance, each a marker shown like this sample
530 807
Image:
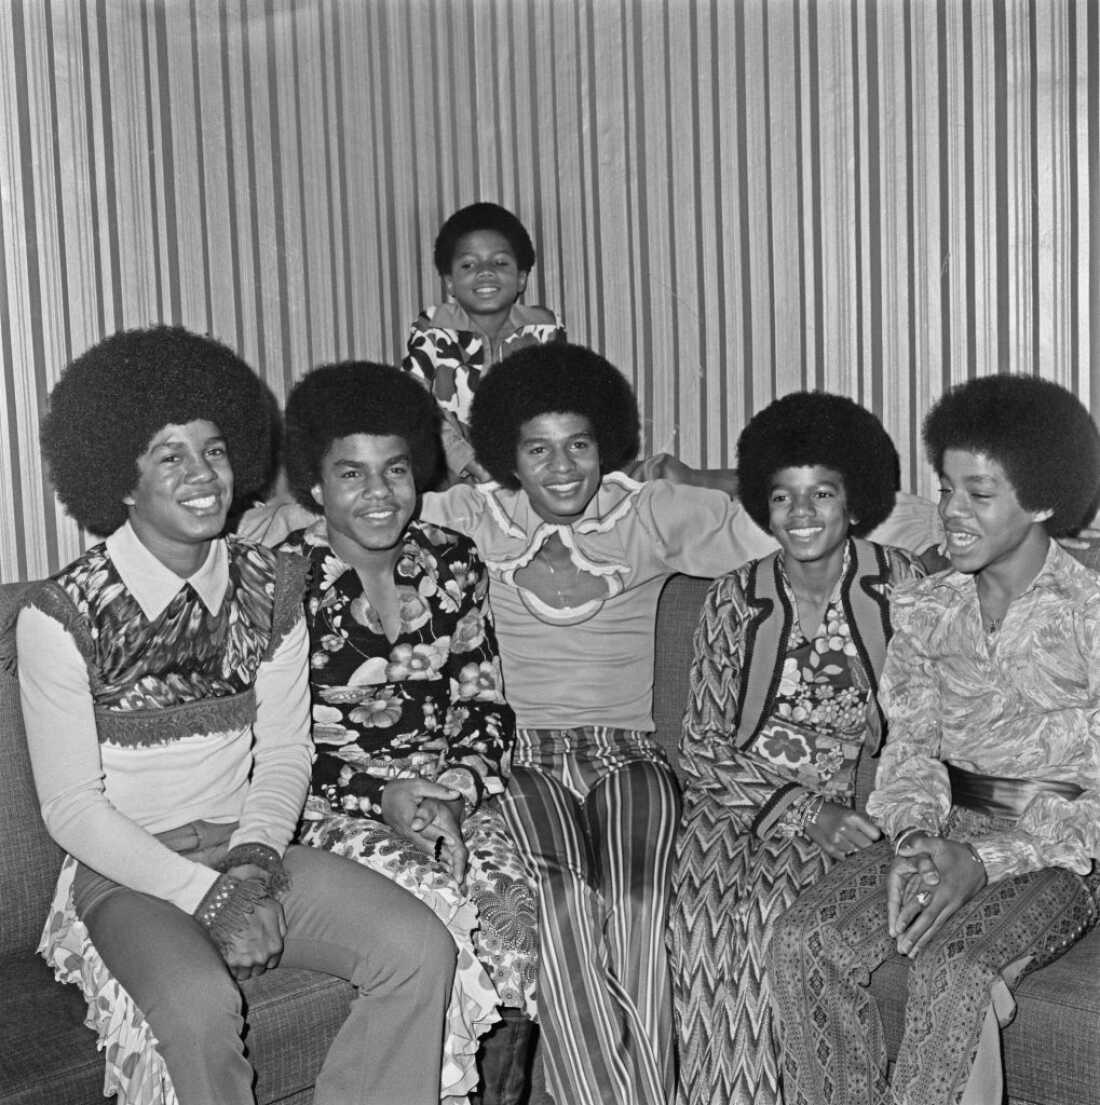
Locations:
348 462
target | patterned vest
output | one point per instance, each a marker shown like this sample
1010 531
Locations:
188 672
866 607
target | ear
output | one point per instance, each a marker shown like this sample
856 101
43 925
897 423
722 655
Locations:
1042 515
522 283
449 287
128 500
318 495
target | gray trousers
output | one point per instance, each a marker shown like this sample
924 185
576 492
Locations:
342 920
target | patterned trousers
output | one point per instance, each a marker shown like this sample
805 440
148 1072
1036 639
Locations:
825 947
728 889
594 813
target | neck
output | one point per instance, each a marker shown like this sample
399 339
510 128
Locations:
815 579
1011 577
490 325
378 563
182 559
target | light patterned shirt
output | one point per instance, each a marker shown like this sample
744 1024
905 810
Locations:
1023 702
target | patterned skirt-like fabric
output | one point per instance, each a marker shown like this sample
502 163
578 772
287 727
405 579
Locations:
728 889
495 915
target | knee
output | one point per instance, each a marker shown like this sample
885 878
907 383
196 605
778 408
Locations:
200 1009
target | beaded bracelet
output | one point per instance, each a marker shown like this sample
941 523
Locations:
809 812
263 856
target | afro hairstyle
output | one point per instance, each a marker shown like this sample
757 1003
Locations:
112 400
356 397
1038 432
482 216
557 378
817 428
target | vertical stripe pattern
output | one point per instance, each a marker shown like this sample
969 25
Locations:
730 200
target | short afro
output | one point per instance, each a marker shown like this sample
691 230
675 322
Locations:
483 216
357 397
816 428
110 402
1039 433
557 378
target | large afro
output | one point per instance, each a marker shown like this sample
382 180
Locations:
558 378
112 400
357 397
809 428
1039 433
483 216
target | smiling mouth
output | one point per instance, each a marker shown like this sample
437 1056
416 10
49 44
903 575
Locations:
201 504
378 515
805 533
957 539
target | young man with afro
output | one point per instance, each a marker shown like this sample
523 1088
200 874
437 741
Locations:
412 730
164 684
988 790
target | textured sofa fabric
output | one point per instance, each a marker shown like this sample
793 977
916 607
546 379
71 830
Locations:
1052 1048
47 1056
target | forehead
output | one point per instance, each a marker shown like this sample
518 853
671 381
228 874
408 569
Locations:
806 475
963 465
366 449
483 241
179 433
554 427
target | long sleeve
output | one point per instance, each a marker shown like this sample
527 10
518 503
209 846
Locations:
1023 704
741 783
282 751
69 777
480 725
911 787
700 531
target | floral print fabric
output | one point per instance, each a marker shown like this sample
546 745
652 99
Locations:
429 703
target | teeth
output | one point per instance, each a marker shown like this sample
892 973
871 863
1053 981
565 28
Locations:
204 503
961 540
809 532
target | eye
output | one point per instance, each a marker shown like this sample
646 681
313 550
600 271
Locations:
169 458
825 493
349 474
581 444
399 469
217 451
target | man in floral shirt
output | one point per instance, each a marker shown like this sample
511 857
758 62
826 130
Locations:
409 720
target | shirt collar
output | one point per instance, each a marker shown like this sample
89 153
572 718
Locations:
453 316
154 586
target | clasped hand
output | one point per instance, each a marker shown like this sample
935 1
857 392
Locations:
930 879
430 816
840 831
259 945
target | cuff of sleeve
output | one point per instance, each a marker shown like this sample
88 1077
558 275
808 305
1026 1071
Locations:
262 856
781 813
466 781
226 907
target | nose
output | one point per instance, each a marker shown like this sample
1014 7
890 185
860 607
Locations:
802 505
952 504
375 486
199 470
561 460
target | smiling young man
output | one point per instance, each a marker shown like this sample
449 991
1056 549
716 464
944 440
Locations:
411 727
989 784
164 687
577 554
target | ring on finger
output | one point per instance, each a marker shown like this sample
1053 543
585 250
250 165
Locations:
924 897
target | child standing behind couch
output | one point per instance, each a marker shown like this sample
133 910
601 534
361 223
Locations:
484 255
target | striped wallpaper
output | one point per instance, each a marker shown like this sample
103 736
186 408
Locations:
731 198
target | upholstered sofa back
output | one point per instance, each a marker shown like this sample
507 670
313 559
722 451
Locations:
29 859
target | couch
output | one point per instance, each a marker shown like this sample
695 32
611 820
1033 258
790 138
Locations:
1052 1047
48 1057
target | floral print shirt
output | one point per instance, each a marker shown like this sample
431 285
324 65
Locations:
449 356
429 703
1023 702
811 741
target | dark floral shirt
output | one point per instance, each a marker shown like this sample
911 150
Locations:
429 703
